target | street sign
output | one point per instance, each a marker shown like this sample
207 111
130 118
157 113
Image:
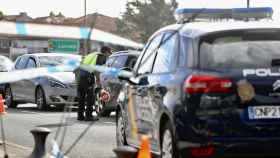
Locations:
64 46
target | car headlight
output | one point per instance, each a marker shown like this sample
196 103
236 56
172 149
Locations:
57 84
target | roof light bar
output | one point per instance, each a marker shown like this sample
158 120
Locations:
215 13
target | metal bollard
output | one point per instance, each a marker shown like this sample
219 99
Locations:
126 152
40 134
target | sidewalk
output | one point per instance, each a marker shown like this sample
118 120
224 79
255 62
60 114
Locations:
15 151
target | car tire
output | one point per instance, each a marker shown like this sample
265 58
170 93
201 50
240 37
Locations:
61 107
120 130
8 95
40 99
104 113
168 147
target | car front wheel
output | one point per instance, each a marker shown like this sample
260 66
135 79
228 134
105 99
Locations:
40 99
9 98
120 130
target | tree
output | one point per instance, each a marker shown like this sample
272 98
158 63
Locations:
1 15
60 14
145 17
52 14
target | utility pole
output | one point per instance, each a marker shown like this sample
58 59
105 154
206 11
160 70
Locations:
248 3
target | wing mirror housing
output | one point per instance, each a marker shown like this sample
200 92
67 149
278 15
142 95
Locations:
126 74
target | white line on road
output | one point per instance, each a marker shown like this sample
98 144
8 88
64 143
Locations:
17 145
30 112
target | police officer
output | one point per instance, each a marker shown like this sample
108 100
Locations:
86 84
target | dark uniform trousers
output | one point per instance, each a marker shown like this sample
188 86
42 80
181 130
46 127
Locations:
86 94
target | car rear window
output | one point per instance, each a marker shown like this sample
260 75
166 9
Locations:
120 61
110 61
240 49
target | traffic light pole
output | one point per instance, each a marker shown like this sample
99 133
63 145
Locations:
248 3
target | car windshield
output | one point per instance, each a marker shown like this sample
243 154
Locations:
46 61
240 50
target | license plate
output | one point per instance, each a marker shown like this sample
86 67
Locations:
264 112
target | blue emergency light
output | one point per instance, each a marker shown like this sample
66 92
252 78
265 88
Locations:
217 13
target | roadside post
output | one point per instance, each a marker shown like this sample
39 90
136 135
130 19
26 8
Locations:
130 152
145 151
40 135
2 113
125 152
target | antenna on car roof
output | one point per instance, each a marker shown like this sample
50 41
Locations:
192 17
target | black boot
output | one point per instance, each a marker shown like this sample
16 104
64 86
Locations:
92 118
80 117
89 117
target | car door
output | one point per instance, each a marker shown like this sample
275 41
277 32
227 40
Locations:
164 88
114 83
18 87
30 84
138 100
105 78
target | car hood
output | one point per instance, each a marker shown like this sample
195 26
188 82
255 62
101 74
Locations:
64 77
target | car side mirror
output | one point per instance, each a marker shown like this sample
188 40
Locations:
126 75
122 78
127 69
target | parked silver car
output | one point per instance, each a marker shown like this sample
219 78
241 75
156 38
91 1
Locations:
56 88
5 65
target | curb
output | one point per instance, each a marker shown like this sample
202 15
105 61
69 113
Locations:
16 146
15 150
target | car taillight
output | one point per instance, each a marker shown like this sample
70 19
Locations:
196 84
202 151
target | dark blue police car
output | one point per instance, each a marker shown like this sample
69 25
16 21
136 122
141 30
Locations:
120 60
207 89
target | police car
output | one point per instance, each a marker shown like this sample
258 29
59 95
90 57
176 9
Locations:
208 86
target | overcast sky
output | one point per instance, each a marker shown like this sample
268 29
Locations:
75 8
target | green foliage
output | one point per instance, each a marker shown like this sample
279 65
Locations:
51 13
144 17
1 15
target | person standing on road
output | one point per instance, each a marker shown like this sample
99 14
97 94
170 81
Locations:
86 84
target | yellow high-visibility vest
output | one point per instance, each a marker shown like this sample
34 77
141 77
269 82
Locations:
90 59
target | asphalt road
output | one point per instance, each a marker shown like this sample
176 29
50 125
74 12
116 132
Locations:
98 142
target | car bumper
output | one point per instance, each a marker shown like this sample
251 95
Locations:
243 147
62 100
57 96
